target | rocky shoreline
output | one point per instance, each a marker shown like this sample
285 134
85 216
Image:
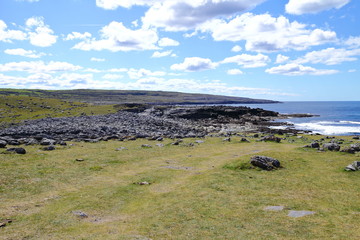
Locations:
153 122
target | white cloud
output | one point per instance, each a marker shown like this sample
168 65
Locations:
112 76
353 42
40 34
92 70
352 70
9 35
299 7
141 73
293 69
24 53
168 42
330 56
78 81
248 61
77 35
116 37
162 54
194 64
264 33
48 81
182 15
94 59
234 72
236 48
281 58
118 70
114 4
38 67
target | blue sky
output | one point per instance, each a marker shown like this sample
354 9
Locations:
287 50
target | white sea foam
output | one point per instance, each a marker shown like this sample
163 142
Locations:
350 122
328 128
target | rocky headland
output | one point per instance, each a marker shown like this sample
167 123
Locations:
145 121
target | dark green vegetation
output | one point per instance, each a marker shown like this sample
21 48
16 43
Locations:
205 191
106 97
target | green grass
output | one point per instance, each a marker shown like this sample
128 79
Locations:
17 108
201 192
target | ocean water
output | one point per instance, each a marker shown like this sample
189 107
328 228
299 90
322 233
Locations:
335 118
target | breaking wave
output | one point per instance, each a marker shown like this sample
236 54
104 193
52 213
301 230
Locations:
331 128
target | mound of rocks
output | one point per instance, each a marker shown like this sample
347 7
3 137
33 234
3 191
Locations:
152 122
265 163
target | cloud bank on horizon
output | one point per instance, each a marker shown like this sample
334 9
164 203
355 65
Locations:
277 49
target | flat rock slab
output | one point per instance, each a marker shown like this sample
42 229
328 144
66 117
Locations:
178 167
274 208
297 214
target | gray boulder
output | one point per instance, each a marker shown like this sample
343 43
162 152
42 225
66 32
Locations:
271 138
356 147
348 150
331 146
49 148
17 150
265 163
3 144
355 166
47 142
314 145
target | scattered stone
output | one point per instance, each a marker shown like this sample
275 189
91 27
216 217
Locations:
47 142
177 167
4 222
314 145
227 139
80 214
356 138
297 214
348 150
160 145
356 147
177 142
49 148
146 146
17 150
91 140
274 208
143 183
160 139
121 149
244 140
199 141
271 138
3 144
355 166
13 142
331 146
79 160
265 163
62 143
32 141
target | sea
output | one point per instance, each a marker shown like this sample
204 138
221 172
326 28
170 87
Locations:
334 118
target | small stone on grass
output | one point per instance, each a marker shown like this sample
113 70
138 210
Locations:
297 214
274 208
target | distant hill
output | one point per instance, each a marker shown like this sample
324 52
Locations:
106 97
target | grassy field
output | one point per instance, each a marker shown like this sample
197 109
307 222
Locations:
14 108
205 191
